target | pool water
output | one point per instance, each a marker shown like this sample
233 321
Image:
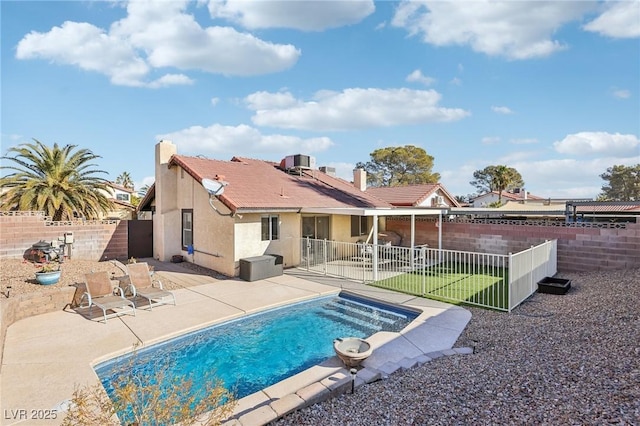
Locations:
256 351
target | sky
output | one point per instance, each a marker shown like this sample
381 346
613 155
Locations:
551 89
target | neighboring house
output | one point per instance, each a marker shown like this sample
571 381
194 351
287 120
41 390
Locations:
147 205
518 194
425 195
562 210
121 198
603 211
265 208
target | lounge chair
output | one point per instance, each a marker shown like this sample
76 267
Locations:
142 285
99 292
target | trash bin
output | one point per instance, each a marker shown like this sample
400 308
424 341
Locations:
261 267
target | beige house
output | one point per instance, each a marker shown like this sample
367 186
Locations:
518 195
120 197
263 208
424 195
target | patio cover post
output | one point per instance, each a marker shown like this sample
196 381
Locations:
440 230
375 248
413 231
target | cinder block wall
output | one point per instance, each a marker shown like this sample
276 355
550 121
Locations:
579 248
93 240
28 305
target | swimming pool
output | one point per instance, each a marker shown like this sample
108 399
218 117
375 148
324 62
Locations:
256 351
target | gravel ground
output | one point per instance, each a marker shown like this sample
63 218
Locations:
571 359
557 359
20 275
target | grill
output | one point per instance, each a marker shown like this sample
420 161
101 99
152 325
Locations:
43 251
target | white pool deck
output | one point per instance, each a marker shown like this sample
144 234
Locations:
47 356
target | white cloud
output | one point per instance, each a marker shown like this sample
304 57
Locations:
612 144
89 48
215 101
456 81
300 15
490 140
156 35
241 140
513 29
621 93
417 77
566 177
351 109
501 110
620 20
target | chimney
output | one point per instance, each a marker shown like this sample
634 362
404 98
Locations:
360 179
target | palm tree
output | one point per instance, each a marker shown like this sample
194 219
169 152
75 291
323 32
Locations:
125 180
55 180
497 178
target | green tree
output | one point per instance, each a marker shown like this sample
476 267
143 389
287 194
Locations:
125 180
622 184
398 166
497 178
143 191
55 180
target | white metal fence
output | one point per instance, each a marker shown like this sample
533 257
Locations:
528 267
488 280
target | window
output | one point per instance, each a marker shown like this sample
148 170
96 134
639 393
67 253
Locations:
187 228
270 228
315 227
359 226
122 197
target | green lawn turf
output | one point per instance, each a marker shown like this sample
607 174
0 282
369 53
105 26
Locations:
455 283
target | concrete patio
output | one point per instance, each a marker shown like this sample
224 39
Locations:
47 356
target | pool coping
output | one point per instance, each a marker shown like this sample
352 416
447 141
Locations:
32 379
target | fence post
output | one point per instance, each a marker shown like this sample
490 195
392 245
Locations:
533 259
324 256
423 261
308 249
509 281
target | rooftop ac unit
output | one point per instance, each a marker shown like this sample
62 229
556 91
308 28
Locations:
328 170
437 201
299 161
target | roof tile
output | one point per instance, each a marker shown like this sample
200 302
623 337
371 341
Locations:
258 184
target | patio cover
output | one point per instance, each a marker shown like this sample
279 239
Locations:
377 212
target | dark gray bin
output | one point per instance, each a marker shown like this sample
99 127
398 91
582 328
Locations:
261 267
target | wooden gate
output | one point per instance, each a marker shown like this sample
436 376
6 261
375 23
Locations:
140 236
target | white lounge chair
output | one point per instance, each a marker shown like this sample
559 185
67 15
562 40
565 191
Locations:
99 292
142 285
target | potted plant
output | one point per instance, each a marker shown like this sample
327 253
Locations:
49 273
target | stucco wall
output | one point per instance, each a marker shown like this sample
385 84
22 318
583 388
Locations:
581 247
93 240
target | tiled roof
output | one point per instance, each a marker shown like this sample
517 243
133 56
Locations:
409 195
608 208
262 185
120 187
512 196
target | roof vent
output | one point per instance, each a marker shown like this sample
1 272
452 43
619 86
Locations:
331 171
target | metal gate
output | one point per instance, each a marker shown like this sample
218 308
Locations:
140 238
